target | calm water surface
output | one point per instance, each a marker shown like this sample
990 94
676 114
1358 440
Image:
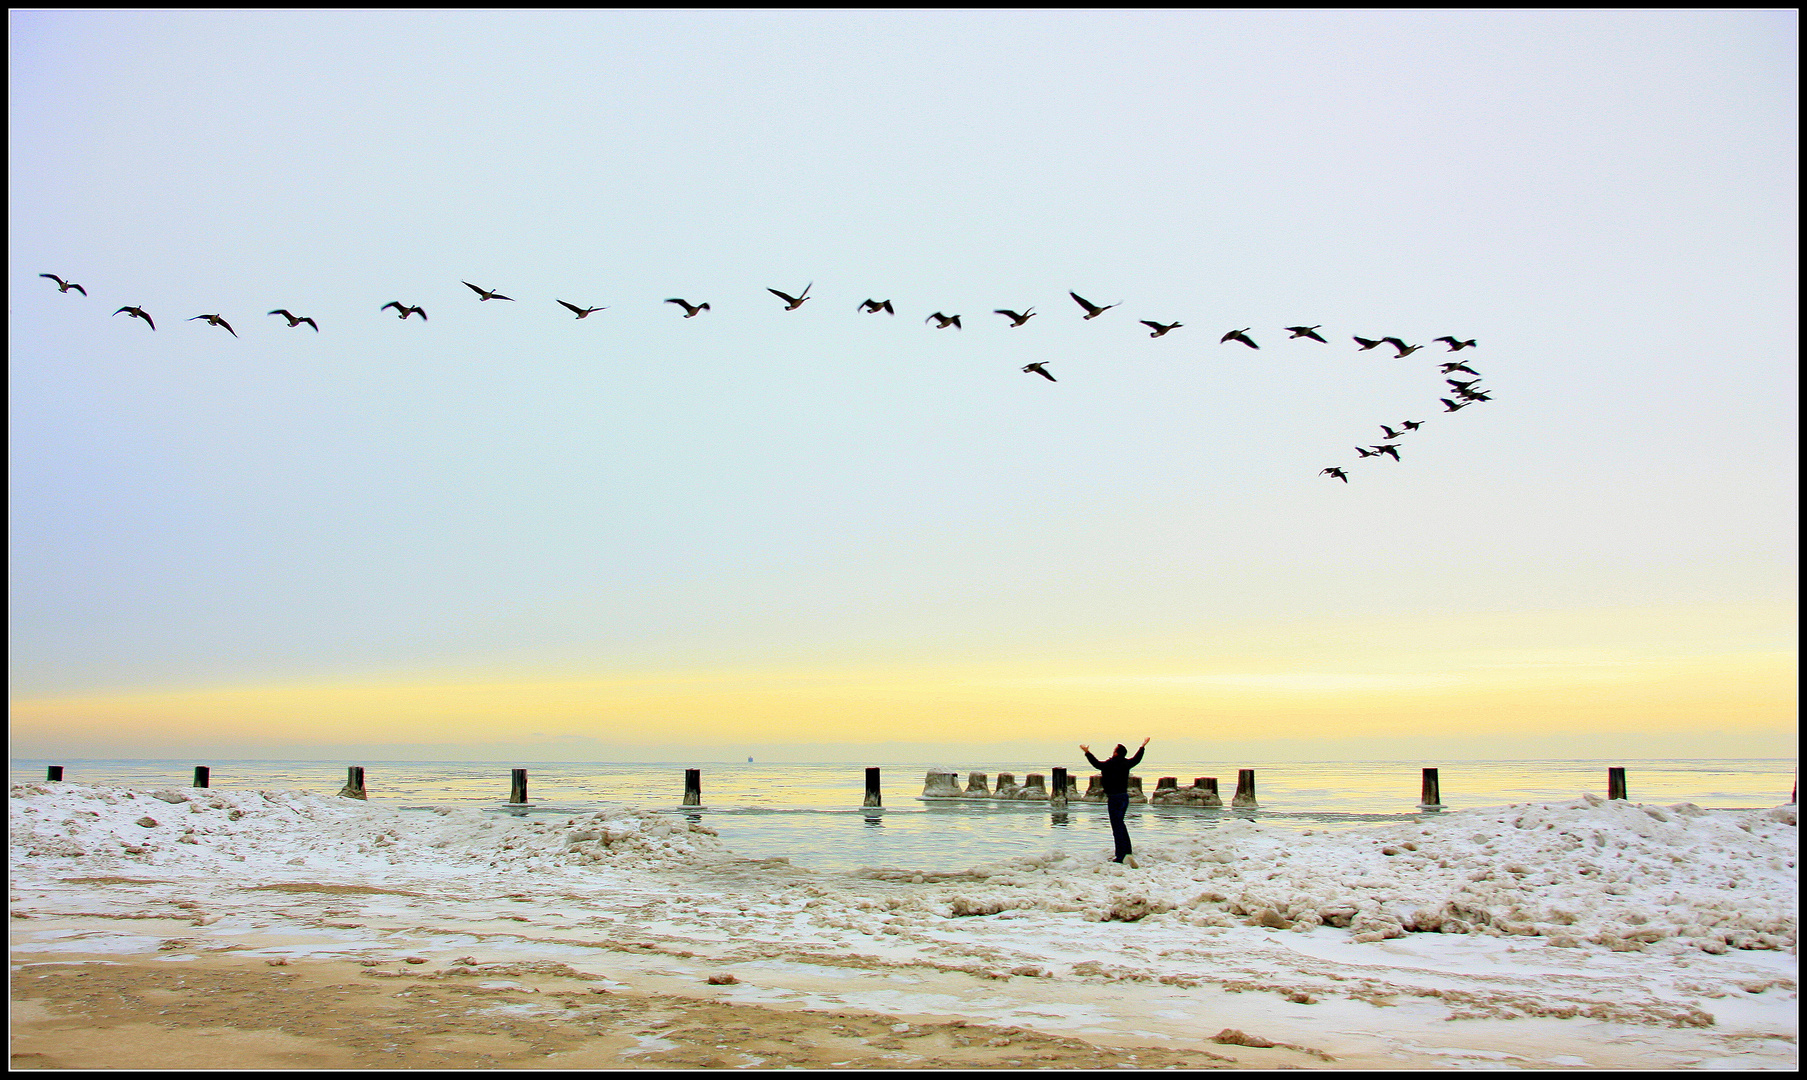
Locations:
810 813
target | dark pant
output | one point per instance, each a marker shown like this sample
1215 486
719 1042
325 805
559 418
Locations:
1117 804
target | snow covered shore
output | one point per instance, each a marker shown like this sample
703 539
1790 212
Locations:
1603 933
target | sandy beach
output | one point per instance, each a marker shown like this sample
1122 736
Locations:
215 929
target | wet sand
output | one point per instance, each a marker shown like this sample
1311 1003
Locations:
230 1012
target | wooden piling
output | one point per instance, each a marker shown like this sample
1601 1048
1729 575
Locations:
1245 789
693 787
872 798
1057 795
1432 794
201 775
517 787
354 783
1615 782
55 773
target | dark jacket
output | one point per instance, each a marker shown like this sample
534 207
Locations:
1115 770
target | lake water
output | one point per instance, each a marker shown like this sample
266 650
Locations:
811 814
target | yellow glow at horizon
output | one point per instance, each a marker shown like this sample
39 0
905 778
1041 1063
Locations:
1601 671
946 703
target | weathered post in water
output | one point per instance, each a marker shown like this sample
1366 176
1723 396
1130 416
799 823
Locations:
1057 795
941 784
693 787
517 787
55 773
871 798
1245 790
1615 782
1432 796
1208 795
354 783
201 775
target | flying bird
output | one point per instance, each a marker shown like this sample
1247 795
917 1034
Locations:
1240 335
138 313
1365 344
1092 311
1338 473
1456 365
403 311
1160 329
1040 370
1404 349
1474 395
873 307
1450 406
65 286
1304 331
485 294
1456 346
296 320
946 321
1391 434
215 320
690 309
1411 425
582 311
1015 319
1365 452
1388 448
1460 385
792 303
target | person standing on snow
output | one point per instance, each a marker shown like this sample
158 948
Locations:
1115 773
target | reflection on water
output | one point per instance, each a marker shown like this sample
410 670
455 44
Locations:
811 813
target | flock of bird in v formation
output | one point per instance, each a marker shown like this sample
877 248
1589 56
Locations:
1464 392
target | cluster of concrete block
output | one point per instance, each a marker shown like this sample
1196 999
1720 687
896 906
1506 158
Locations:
1203 792
945 784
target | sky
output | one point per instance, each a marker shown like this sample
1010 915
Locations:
823 534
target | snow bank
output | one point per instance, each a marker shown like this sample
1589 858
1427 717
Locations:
201 828
1617 874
